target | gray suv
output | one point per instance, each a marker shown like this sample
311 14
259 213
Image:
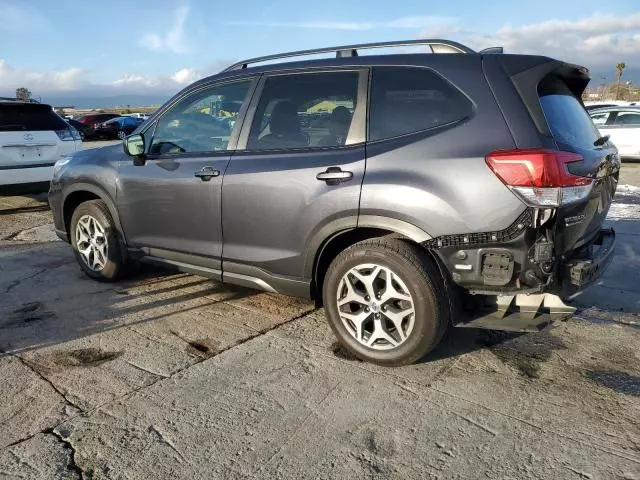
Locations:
404 192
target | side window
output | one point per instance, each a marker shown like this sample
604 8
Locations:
600 118
408 99
627 118
304 110
201 122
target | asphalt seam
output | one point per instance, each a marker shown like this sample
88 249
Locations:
429 386
72 466
43 378
86 413
15 283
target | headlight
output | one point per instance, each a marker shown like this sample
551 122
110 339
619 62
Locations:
57 167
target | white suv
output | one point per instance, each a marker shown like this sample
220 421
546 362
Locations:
32 138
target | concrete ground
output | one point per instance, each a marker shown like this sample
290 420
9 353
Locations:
175 376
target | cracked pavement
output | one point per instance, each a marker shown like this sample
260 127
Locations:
174 376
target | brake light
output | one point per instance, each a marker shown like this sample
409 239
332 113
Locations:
541 178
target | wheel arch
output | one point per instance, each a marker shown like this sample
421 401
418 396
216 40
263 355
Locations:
83 192
368 227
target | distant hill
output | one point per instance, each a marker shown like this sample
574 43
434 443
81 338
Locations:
82 101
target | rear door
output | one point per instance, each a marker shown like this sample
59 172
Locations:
573 131
298 170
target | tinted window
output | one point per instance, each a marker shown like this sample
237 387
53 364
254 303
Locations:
600 118
305 110
202 122
29 116
568 121
627 118
407 100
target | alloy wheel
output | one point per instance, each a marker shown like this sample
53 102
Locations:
91 243
375 306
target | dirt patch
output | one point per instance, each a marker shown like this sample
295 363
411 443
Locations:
205 346
620 382
339 351
83 357
28 313
525 352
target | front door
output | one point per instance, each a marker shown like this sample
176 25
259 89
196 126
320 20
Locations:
298 168
170 206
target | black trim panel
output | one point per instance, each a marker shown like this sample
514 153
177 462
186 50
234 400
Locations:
30 165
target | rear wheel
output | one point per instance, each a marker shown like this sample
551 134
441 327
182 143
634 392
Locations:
385 301
121 134
95 241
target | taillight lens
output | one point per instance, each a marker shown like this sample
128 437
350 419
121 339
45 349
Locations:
68 134
540 177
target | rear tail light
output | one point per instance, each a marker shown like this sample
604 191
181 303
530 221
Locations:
68 134
540 177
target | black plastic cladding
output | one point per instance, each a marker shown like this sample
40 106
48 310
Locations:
485 238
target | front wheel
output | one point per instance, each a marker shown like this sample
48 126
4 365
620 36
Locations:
95 241
385 301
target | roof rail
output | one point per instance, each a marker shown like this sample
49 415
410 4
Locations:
437 46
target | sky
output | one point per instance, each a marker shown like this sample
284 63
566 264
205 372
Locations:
117 47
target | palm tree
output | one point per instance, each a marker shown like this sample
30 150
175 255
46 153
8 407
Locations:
619 68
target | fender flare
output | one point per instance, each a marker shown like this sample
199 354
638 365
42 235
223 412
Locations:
100 193
334 229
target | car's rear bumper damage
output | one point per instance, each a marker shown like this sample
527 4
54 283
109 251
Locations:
513 280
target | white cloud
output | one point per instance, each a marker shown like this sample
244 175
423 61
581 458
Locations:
132 80
186 76
175 39
414 22
62 80
595 41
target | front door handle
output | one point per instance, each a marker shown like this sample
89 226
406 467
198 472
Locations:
207 173
334 176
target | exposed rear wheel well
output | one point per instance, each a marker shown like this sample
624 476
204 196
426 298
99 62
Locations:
336 244
71 203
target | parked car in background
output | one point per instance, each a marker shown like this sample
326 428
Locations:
118 127
85 131
92 119
32 138
622 125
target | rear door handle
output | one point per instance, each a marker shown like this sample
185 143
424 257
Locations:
334 176
207 173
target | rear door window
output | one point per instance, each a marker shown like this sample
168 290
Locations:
29 117
568 121
407 99
627 118
305 110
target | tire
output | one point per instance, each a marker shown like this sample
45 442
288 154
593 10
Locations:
121 134
94 216
414 273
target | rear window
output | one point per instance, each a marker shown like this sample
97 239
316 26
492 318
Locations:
408 99
29 117
568 121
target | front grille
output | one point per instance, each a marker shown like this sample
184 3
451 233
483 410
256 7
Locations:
485 238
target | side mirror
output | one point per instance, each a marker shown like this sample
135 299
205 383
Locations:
134 147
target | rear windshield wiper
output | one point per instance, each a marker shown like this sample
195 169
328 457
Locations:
601 141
